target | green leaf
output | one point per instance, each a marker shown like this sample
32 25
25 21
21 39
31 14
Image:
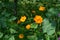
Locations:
11 38
47 37
1 34
47 27
34 1
34 25
11 0
12 18
50 32
52 12
12 31
58 32
6 37
33 37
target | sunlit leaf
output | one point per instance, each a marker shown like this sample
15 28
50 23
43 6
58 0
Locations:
12 18
12 31
34 25
1 34
33 37
11 38
47 27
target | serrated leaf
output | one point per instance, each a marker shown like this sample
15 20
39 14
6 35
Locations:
52 12
58 32
34 25
12 18
11 0
50 32
11 38
12 31
33 37
6 37
34 1
47 27
1 34
47 37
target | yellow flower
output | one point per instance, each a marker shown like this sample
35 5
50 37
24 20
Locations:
28 26
38 19
23 18
21 36
41 8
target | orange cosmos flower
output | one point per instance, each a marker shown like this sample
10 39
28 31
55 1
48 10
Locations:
21 36
38 19
28 26
41 8
23 18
